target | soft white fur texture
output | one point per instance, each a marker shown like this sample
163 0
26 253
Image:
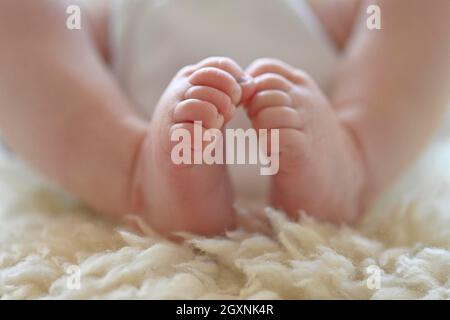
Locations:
43 232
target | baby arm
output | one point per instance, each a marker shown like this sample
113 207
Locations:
59 106
394 85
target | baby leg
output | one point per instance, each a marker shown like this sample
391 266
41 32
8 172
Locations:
190 197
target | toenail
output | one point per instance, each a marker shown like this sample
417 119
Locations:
236 95
221 120
244 79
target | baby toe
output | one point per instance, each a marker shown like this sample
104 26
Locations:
268 98
280 117
269 65
218 79
223 63
214 96
232 67
272 81
192 110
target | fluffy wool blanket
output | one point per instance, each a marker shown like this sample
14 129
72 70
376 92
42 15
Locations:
53 247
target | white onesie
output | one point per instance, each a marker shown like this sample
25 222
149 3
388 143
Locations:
153 39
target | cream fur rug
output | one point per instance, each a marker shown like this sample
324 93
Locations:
404 243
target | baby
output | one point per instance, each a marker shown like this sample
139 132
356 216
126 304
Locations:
62 110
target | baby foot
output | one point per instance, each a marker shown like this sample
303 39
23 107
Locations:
195 198
320 168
